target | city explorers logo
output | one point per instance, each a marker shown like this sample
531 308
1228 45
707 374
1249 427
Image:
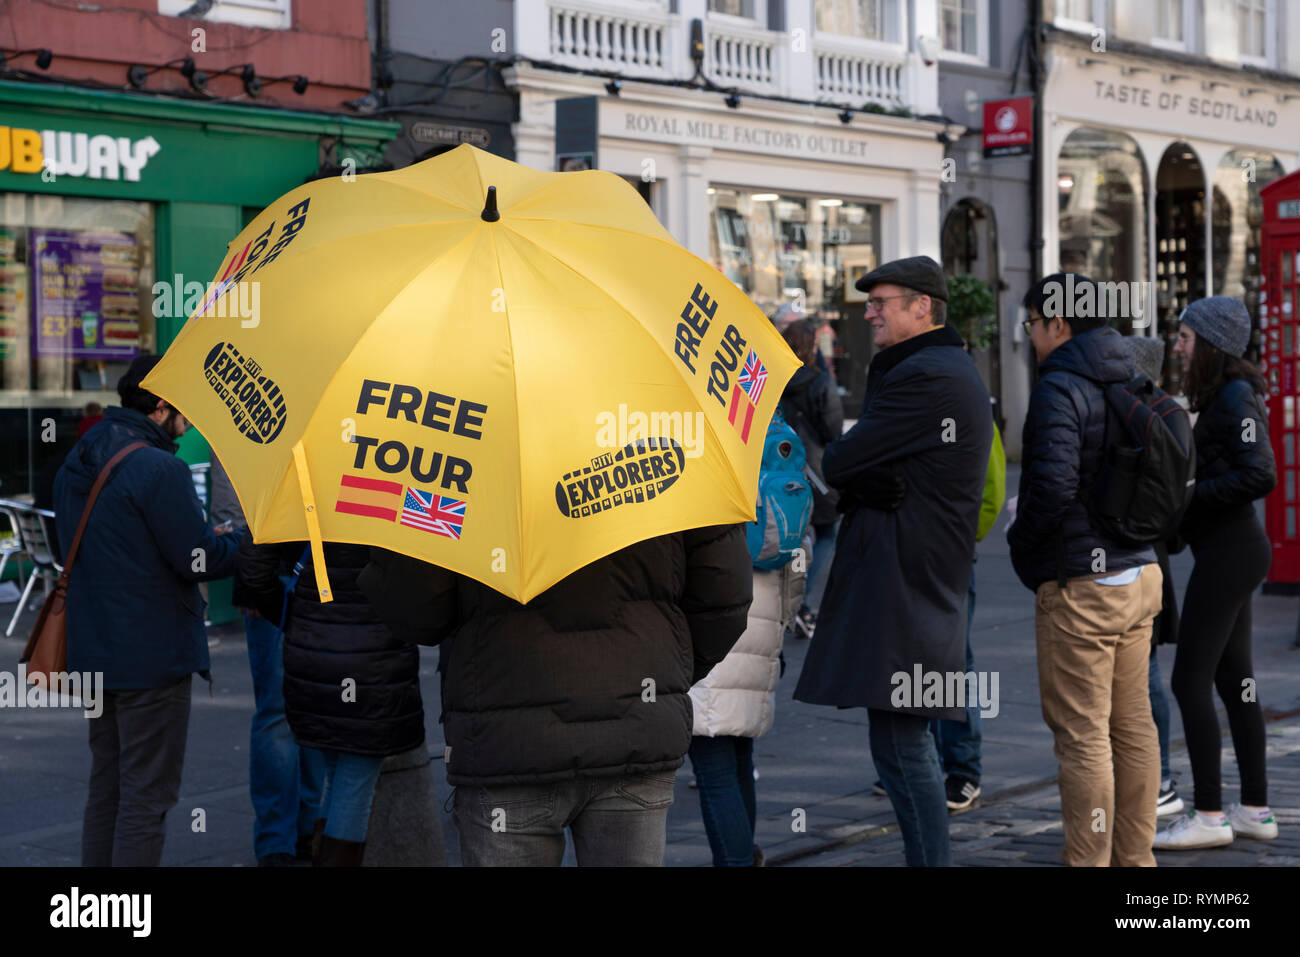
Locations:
637 472
255 402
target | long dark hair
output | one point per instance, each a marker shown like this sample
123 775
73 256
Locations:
1211 369
801 337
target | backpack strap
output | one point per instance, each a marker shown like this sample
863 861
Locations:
290 582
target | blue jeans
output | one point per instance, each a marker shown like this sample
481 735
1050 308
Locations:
959 742
819 567
284 781
724 771
1160 712
349 792
908 764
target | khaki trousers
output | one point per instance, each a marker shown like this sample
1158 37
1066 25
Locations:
1094 646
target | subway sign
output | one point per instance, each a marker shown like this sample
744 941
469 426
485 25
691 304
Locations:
71 153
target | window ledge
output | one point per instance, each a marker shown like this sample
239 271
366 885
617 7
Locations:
957 56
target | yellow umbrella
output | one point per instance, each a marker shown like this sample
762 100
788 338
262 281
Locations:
390 360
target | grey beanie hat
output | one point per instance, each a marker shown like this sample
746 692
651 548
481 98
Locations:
1148 354
1222 321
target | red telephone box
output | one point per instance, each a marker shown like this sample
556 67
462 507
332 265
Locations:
1279 320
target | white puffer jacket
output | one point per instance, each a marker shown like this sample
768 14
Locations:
738 697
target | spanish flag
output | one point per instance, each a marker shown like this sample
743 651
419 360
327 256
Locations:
374 498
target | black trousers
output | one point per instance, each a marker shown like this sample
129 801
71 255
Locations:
137 749
1214 653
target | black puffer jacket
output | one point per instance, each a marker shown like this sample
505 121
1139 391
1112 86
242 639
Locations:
561 687
325 644
1061 452
1234 459
814 410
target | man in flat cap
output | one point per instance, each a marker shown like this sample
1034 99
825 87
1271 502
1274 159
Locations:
891 636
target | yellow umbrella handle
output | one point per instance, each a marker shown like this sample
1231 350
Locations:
313 523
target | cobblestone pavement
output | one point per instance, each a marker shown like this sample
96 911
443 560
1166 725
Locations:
1023 828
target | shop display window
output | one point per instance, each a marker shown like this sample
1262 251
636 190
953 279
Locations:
804 251
76 306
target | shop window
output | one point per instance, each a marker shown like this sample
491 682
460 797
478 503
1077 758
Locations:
268 14
1238 214
1102 187
804 251
76 306
1180 244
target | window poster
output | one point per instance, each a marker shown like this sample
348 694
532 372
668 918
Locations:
85 294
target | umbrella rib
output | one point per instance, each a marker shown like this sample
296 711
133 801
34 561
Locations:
639 324
519 440
383 178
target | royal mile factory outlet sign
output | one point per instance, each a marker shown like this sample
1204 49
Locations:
738 133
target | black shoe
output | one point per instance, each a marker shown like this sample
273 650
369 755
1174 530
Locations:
805 622
309 844
336 853
879 788
277 860
962 793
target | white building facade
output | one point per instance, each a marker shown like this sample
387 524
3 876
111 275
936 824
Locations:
799 147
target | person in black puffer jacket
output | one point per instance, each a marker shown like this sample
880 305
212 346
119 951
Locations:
351 690
812 407
573 708
1234 467
1095 598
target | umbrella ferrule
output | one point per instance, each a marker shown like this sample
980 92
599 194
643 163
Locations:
490 213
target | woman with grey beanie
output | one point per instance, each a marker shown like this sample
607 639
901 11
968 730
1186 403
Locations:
1234 467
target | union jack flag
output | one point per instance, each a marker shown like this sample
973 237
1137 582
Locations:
753 377
433 513
745 394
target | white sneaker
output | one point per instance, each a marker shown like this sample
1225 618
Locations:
1248 824
1190 831
1168 801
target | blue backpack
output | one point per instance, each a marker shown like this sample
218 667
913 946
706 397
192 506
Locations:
785 500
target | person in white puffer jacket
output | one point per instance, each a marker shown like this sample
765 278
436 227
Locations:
734 704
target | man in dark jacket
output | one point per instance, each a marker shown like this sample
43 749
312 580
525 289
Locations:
1096 597
891 635
135 615
574 707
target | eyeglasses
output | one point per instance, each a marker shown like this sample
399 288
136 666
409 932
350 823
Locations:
1028 324
877 303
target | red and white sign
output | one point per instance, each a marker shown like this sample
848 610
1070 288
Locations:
1009 126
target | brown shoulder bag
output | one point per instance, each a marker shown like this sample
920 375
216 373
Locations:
47 649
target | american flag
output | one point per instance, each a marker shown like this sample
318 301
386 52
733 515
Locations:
753 377
433 513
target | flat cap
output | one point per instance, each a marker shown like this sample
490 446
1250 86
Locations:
920 273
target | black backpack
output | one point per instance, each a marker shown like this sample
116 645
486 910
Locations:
1148 470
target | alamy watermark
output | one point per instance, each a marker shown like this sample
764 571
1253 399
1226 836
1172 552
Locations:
946 689
76 689
617 429
179 299
1100 300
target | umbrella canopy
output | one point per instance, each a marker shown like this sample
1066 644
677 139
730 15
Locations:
504 372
